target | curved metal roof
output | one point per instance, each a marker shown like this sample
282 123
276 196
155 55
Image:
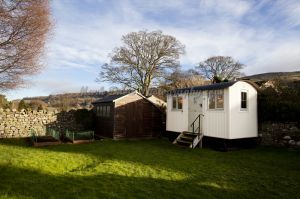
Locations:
216 86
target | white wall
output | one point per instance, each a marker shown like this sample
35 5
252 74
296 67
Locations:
177 120
216 122
229 123
242 123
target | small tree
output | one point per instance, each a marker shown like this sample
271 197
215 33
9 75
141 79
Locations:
182 79
23 105
144 57
4 103
40 108
220 67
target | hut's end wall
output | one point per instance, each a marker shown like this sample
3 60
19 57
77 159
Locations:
242 123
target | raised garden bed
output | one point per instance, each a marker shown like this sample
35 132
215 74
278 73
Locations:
80 137
52 138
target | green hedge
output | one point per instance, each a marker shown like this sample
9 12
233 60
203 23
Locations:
279 105
85 117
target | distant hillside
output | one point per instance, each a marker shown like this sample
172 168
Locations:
285 76
71 100
84 99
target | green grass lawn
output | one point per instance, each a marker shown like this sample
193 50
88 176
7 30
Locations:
145 169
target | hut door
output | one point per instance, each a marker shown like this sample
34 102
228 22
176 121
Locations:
195 108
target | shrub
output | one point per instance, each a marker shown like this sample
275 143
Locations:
85 117
23 105
279 104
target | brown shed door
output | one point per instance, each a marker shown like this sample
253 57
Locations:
134 119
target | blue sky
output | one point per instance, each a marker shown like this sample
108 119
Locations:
262 34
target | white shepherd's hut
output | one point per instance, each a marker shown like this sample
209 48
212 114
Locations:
225 110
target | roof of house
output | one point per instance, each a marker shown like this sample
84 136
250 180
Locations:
216 86
113 98
109 98
156 100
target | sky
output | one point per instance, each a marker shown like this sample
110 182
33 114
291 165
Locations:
264 35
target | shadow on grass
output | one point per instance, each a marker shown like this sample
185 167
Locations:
252 173
17 182
18 142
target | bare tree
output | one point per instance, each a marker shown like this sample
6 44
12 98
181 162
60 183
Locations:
24 25
221 67
182 79
143 59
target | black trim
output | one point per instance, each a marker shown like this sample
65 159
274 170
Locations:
202 88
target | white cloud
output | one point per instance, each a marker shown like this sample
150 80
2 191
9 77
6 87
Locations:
234 8
263 35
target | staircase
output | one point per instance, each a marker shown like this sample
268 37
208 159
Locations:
191 139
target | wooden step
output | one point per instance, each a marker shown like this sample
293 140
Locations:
187 138
184 142
187 133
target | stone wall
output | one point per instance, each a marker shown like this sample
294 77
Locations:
280 134
15 123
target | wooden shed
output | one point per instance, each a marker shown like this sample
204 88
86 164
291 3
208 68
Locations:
128 116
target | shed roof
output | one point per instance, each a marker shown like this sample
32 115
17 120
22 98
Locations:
109 98
157 101
216 86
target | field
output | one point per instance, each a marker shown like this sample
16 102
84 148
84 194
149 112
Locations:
145 169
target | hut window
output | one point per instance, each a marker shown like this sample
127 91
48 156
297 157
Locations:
219 98
211 100
243 100
174 103
179 106
177 103
216 99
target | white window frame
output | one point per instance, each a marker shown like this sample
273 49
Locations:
215 98
247 100
176 98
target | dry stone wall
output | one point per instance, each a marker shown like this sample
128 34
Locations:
15 123
280 134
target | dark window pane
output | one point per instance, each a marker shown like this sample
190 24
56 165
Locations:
244 100
100 110
244 104
108 111
174 103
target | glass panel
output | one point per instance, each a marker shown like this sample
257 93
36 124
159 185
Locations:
211 99
179 102
244 100
174 103
107 111
100 110
104 111
220 98
97 111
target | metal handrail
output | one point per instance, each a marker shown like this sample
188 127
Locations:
199 120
